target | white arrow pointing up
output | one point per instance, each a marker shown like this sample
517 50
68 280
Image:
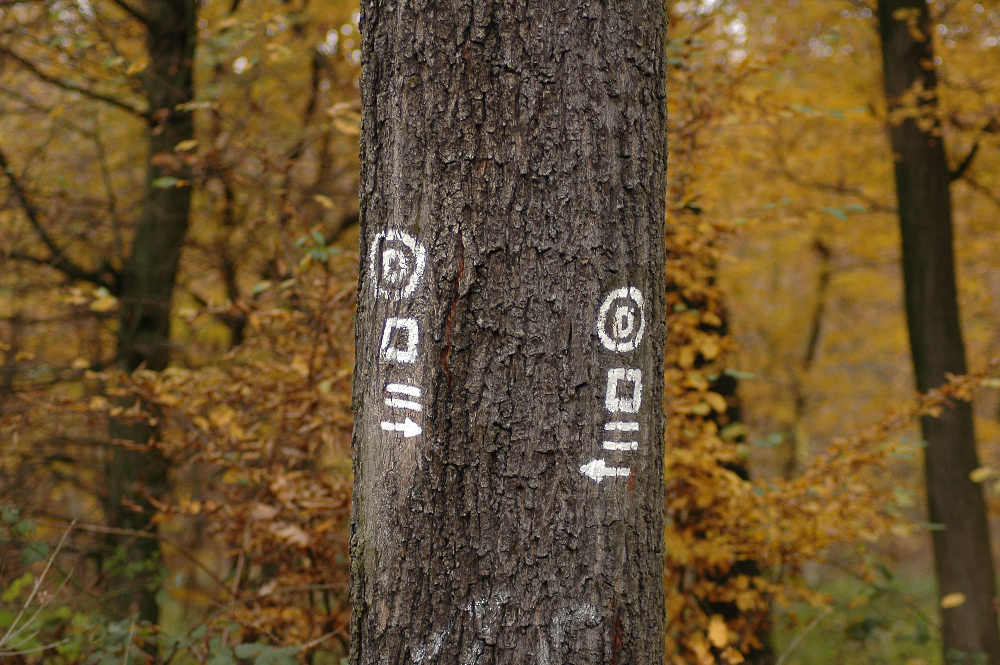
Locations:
407 427
598 470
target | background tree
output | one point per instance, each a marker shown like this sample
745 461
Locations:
137 479
962 557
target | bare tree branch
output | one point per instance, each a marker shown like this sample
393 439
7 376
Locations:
838 188
73 87
982 189
58 260
960 170
132 11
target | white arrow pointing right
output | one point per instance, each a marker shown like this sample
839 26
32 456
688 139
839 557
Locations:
407 427
599 470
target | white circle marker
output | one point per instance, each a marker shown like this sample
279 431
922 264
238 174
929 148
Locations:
621 321
402 263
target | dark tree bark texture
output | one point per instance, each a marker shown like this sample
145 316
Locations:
508 503
962 558
148 280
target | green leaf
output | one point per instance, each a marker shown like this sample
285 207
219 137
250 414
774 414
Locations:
836 212
9 514
15 588
166 182
24 528
248 650
36 551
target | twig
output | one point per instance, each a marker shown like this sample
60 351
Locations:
135 13
72 87
25 652
128 645
236 579
13 631
318 640
801 636
59 260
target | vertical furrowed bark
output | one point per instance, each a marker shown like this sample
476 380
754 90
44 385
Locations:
508 503
148 279
962 557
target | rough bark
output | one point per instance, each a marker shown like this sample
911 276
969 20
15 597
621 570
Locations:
148 279
962 558
522 145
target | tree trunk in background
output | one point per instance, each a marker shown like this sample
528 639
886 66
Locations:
962 556
760 620
508 501
147 285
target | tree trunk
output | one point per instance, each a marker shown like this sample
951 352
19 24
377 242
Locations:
148 280
962 558
508 501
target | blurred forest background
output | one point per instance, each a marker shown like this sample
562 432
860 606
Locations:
178 259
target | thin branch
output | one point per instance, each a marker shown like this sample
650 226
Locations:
128 645
982 189
72 87
27 652
132 11
109 192
966 163
801 636
96 528
59 260
14 631
838 188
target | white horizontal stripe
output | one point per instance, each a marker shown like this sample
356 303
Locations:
618 426
403 404
403 389
623 445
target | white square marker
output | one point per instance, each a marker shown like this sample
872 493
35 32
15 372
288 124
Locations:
392 350
615 401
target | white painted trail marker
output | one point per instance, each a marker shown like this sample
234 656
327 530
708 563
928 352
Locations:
403 404
621 323
397 274
407 427
621 320
620 445
598 470
392 351
614 400
403 389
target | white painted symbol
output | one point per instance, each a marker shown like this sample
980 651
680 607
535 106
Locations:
403 389
598 470
402 263
621 445
621 320
407 427
617 402
619 426
403 404
392 351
